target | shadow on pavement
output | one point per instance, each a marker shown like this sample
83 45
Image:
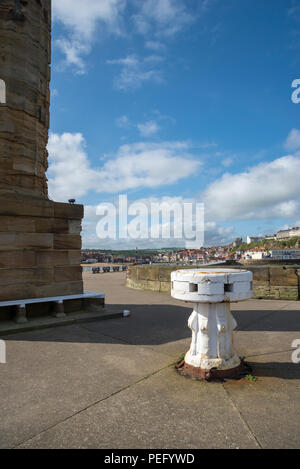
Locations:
264 320
282 370
156 325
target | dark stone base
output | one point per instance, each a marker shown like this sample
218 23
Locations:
200 374
40 249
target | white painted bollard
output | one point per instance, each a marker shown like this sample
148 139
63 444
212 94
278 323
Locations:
212 290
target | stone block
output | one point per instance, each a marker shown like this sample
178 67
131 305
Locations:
94 305
74 227
149 273
13 259
69 211
261 291
142 273
260 274
71 306
67 242
74 257
67 273
33 240
17 292
51 225
58 289
132 272
280 276
284 293
52 258
137 284
165 287
165 273
153 285
20 291
30 275
17 224
14 206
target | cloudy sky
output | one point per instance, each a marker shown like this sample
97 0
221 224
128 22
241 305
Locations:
178 100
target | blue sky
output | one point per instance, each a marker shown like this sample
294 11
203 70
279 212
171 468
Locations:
178 100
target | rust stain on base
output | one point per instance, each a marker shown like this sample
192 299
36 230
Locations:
212 375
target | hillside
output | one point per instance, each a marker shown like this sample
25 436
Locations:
270 244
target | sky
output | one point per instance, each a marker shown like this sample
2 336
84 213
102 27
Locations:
178 100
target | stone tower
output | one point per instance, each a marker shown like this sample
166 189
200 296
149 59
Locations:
40 242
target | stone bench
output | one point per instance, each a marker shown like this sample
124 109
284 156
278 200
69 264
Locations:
91 300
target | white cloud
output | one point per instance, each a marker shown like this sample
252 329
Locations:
214 233
227 162
148 129
264 191
85 21
123 122
155 45
162 17
80 20
145 129
135 72
54 93
140 165
73 51
69 171
293 140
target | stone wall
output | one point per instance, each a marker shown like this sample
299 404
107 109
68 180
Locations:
269 282
40 249
25 56
40 242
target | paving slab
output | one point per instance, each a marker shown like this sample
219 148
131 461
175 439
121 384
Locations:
54 373
163 411
162 328
272 331
110 384
271 405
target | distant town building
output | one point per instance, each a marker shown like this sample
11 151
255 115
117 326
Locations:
281 254
237 242
254 239
289 233
255 254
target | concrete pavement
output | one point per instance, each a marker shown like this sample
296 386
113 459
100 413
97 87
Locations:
112 384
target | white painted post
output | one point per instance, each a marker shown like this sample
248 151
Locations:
2 92
20 317
2 352
211 321
59 310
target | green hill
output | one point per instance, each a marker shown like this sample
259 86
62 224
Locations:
268 245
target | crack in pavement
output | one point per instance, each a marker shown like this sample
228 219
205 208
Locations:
144 378
269 353
242 417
